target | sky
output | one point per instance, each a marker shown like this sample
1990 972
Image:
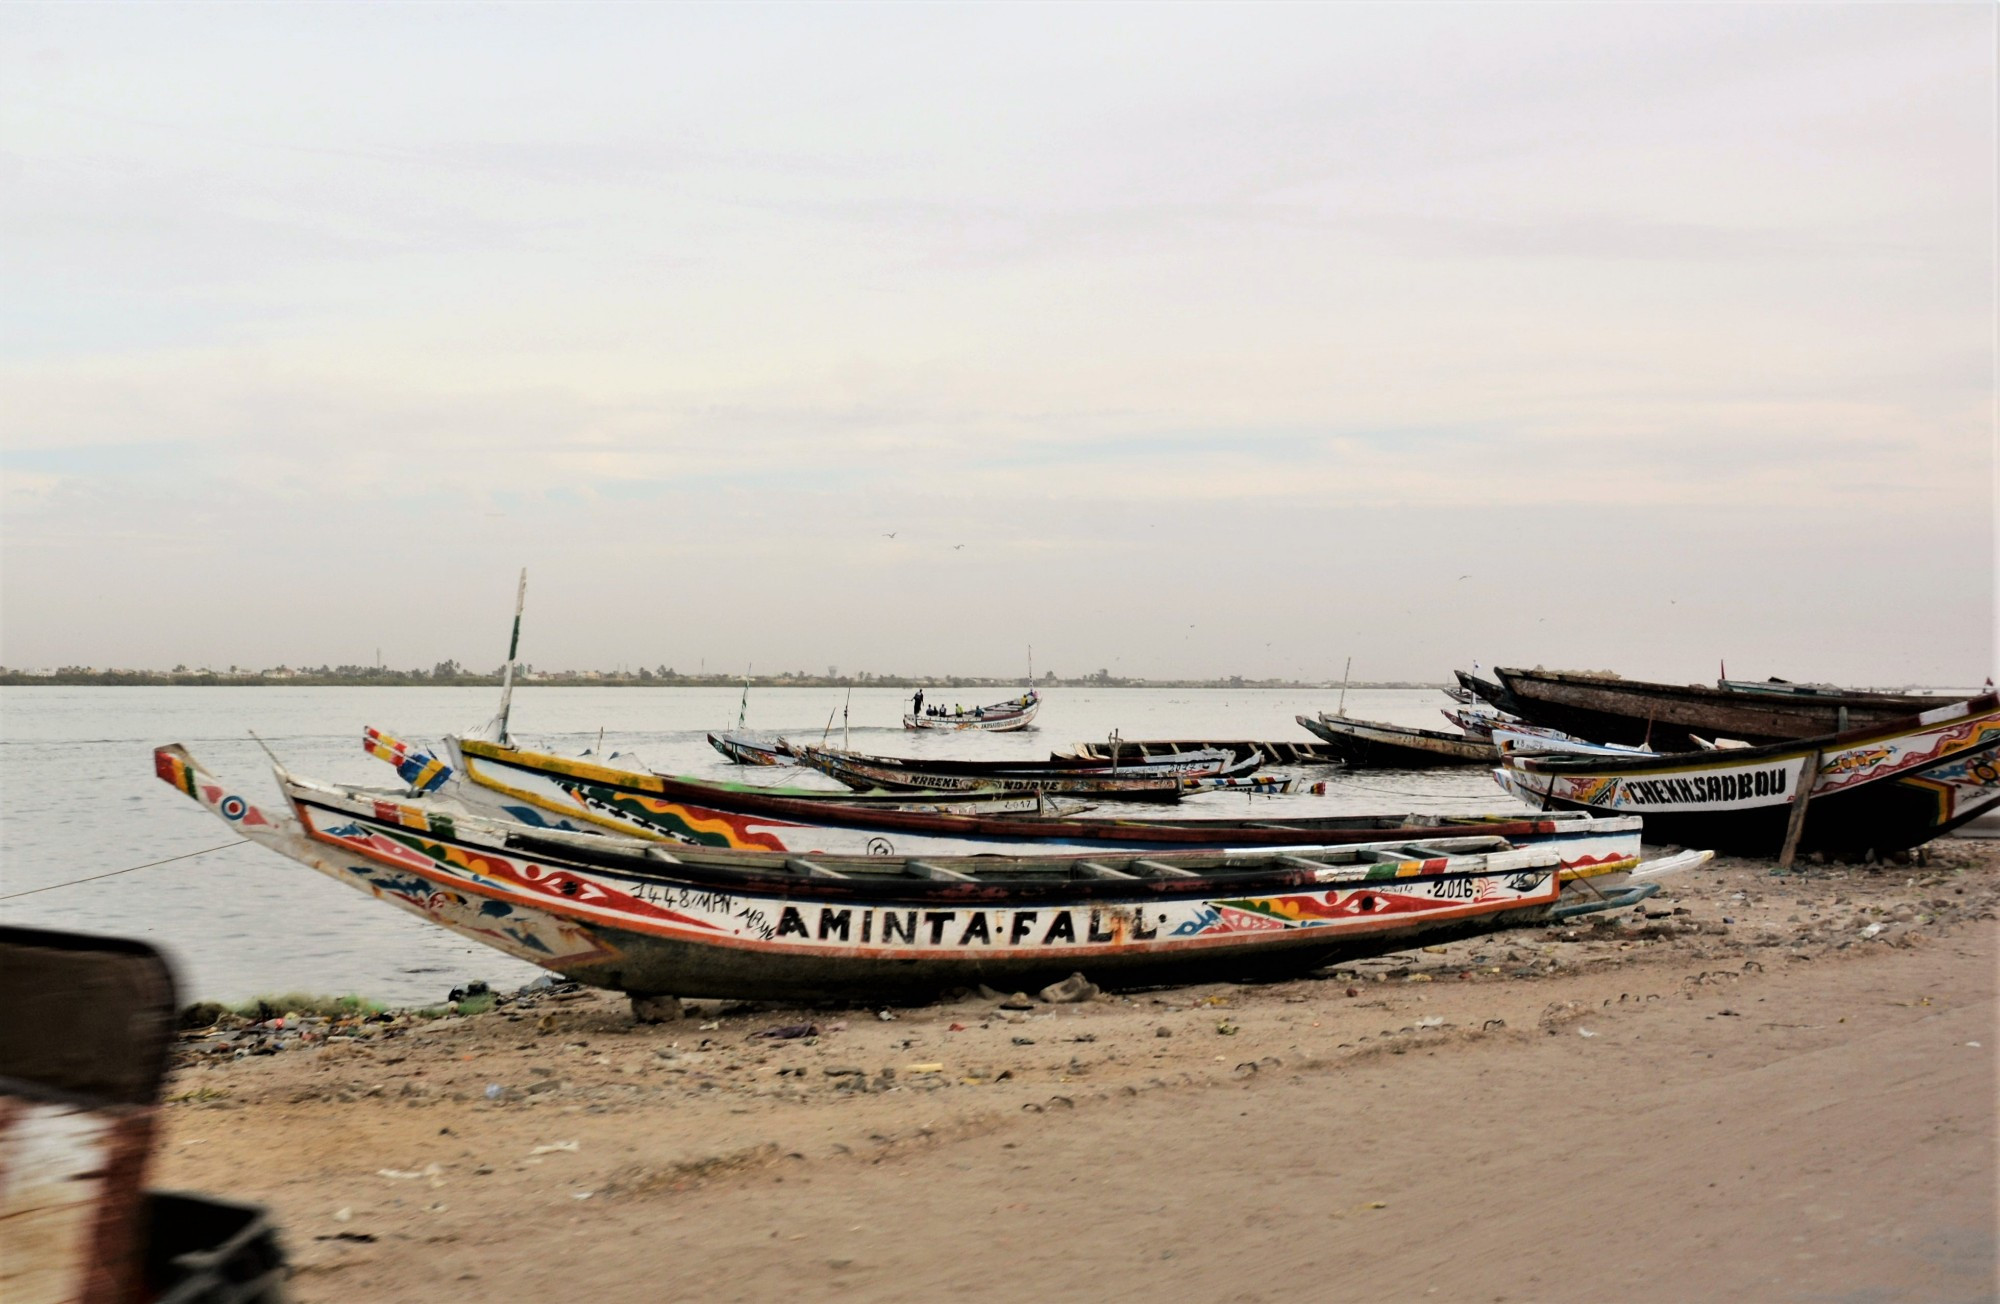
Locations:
1174 340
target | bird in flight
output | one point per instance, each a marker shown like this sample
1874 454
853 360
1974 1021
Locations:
956 546
890 535
1465 577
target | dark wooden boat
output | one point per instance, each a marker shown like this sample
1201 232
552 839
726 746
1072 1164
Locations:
1189 761
1884 788
1669 717
742 749
1374 745
1127 783
1485 690
638 918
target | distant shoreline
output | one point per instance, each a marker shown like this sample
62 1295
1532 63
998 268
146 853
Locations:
406 679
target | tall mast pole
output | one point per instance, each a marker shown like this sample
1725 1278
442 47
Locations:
513 651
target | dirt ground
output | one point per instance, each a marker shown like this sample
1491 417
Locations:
1764 1087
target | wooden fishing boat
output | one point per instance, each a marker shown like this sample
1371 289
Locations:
745 750
537 788
1269 785
555 792
1159 784
997 717
1124 751
1515 738
1372 744
635 917
1669 717
1485 690
1475 722
1884 788
1194 762
1199 761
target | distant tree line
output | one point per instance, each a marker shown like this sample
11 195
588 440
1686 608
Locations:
453 674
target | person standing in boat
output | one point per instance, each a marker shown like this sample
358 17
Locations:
918 708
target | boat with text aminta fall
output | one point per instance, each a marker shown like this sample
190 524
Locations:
656 922
1372 744
1881 789
995 717
542 790
1606 708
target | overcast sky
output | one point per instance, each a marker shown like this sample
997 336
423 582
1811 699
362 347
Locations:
1177 340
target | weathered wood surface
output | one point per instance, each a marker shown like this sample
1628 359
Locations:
1602 708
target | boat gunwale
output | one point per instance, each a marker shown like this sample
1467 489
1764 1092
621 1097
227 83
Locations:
1974 708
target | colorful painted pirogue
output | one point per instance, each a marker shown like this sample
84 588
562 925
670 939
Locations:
1372 744
1885 788
545 791
633 917
999 717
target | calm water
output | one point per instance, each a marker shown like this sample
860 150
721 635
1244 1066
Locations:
78 797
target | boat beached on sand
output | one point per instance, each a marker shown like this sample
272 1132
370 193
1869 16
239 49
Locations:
545 791
1150 783
1606 708
1372 744
639 918
1881 789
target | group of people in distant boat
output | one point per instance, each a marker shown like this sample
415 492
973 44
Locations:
936 712
977 712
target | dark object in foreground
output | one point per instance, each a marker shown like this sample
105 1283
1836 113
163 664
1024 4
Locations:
84 1035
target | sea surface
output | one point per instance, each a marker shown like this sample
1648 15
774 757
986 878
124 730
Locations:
78 798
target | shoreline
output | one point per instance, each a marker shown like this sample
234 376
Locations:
1713 1074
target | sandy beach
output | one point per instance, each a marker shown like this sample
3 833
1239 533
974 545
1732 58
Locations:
1764 1086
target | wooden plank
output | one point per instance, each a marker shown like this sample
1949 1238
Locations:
924 869
800 865
1160 869
1092 869
662 855
1796 826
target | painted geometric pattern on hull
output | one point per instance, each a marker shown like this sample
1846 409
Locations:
1396 895
1768 781
522 931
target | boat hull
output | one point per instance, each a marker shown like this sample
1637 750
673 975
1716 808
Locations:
750 927
543 791
1001 717
1880 790
1368 744
863 775
1669 717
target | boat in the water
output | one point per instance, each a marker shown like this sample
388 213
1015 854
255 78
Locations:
1374 745
542 790
996 717
743 749
637 917
1124 751
1881 789
1606 708
1155 783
